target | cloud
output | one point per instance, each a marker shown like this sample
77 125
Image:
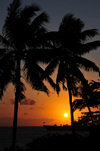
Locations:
25 102
1 102
28 102
25 113
41 108
31 108
12 101
38 93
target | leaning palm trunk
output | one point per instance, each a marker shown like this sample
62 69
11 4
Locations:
71 108
17 95
71 111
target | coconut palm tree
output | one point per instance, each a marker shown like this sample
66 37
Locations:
22 36
89 97
71 43
69 75
92 99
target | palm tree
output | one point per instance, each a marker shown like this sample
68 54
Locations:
88 99
70 43
69 75
22 36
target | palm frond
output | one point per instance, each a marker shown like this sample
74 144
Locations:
2 52
5 79
58 89
54 35
87 64
77 73
4 41
39 20
86 48
11 22
88 99
34 75
69 22
37 31
88 34
28 12
45 76
95 85
6 73
51 82
51 67
14 7
61 73
41 55
79 104
64 87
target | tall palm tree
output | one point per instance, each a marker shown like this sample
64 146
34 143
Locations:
22 36
71 43
69 74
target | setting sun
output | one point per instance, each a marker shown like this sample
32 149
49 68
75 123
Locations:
65 114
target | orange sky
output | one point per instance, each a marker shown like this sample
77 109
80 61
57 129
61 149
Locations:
46 109
41 109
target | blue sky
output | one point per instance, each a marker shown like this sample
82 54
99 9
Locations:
87 10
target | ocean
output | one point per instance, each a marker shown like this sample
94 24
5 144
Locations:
24 135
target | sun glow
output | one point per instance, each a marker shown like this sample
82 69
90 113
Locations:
65 114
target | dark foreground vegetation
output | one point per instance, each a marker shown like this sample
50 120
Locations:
66 141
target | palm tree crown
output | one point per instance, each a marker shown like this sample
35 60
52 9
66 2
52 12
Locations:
22 32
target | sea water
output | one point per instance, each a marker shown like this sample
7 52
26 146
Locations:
24 135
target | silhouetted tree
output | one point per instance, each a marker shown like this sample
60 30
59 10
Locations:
70 44
88 99
22 36
85 120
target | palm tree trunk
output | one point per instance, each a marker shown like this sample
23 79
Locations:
71 112
17 93
71 108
